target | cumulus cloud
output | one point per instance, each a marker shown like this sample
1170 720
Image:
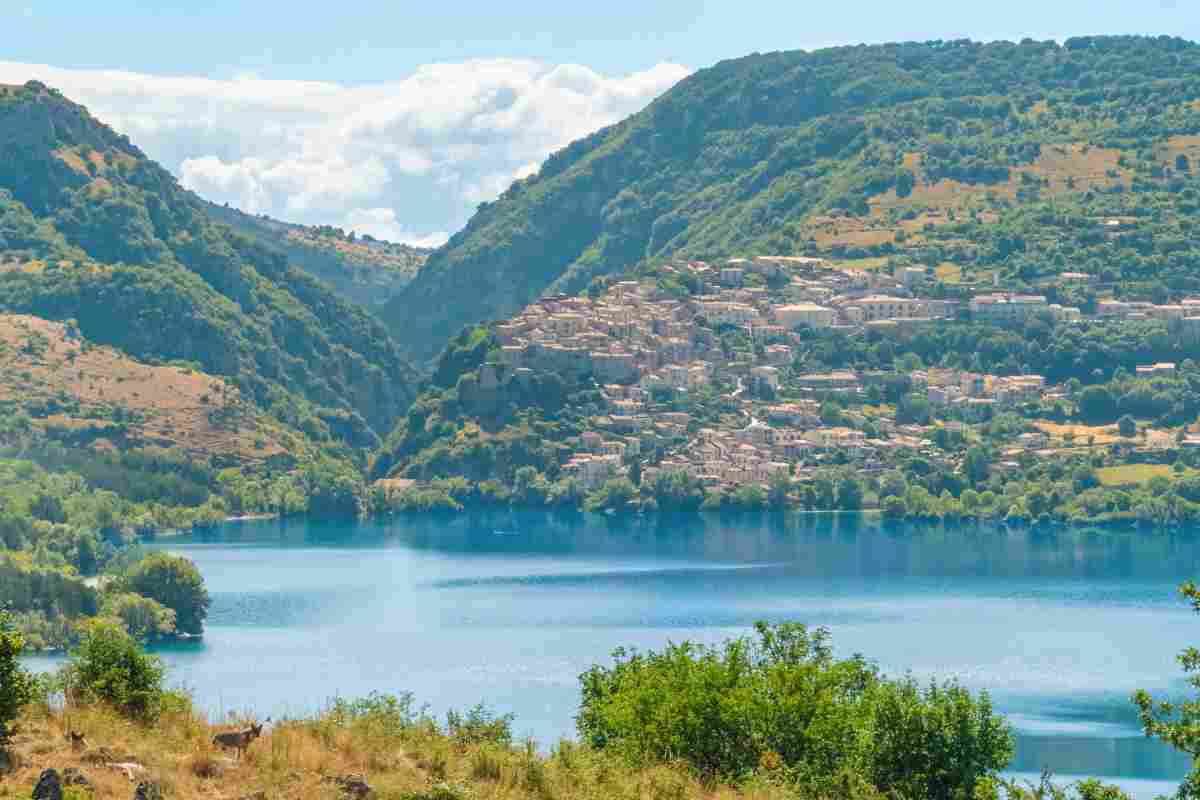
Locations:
406 160
382 224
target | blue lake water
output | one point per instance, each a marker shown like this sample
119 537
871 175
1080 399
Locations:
509 608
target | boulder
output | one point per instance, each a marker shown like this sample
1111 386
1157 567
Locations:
49 786
148 790
352 786
73 777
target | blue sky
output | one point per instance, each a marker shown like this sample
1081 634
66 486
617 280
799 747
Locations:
398 118
368 40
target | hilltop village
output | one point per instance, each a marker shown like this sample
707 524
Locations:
733 343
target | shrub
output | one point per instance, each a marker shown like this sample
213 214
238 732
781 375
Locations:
781 699
173 582
378 714
479 725
142 617
16 685
937 742
486 764
110 667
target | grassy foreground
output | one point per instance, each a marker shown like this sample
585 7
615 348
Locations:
306 759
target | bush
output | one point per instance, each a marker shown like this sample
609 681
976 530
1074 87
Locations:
175 583
480 725
781 698
937 742
16 685
384 715
110 667
141 617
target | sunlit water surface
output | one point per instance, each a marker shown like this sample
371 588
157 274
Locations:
509 608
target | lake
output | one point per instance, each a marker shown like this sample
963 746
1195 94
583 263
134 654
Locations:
508 608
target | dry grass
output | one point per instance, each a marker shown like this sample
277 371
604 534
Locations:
1067 168
877 262
304 760
1104 434
1133 474
1180 145
40 361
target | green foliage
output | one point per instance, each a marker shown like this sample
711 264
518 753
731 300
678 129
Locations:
936 742
615 495
142 617
142 264
782 695
174 583
1127 426
1096 405
1178 724
367 272
16 684
110 667
479 725
375 717
738 159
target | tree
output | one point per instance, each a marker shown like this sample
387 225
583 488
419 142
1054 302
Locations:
894 507
782 697
1096 404
110 667
16 685
1126 426
976 465
1178 724
913 408
778 488
141 617
615 495
849 494
173 582
529 486
936 742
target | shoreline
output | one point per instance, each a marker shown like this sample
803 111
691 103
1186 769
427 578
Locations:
871 516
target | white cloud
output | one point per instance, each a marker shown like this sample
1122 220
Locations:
382 224
426 148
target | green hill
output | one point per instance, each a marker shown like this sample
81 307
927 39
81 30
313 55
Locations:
93 231
996 157
361 268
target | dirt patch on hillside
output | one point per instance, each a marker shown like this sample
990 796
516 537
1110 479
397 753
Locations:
67 383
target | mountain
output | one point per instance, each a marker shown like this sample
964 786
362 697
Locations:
980 154
91 231
361 268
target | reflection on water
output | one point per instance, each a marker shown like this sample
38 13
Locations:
511 607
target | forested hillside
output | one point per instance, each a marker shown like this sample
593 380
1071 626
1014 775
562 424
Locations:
1001 158
92 231
359 267
158 370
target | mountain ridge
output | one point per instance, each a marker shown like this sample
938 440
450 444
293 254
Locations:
361 268
737 158
92 230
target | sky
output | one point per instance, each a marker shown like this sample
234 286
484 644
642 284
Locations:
398 118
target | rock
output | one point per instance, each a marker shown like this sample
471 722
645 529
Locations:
131 769
148 790
49 786
73 777
354 786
